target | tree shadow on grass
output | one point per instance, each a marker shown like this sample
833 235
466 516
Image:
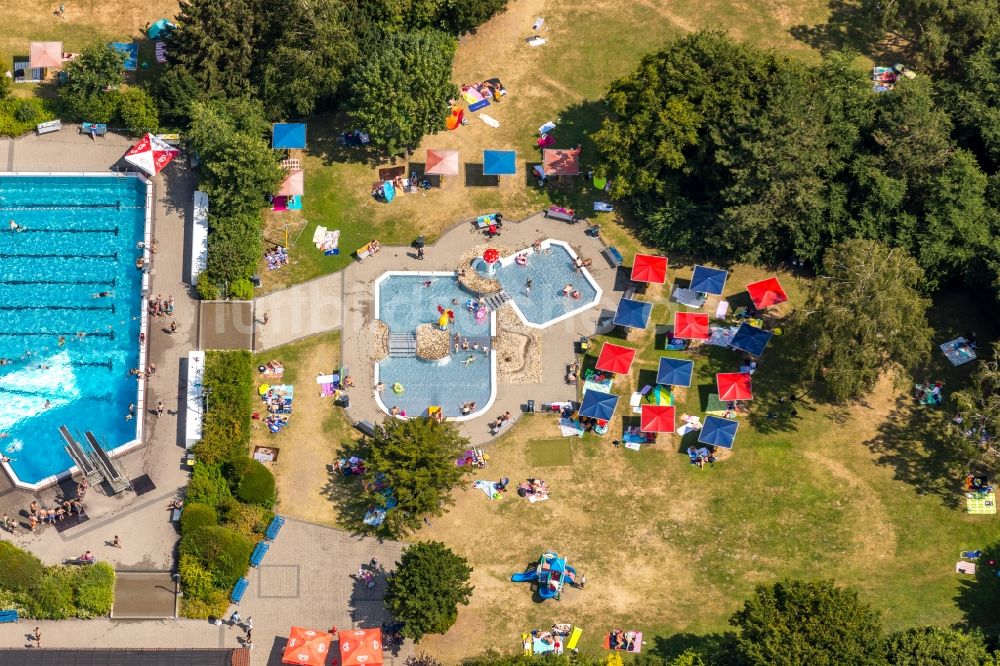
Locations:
714 648
350 502
323 131
913 440
847 28
979 596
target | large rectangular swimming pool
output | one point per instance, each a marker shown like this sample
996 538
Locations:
70 314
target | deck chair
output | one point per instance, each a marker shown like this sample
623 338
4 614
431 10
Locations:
971 554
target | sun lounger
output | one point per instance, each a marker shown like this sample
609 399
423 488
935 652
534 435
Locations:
635 402
613 256
560 213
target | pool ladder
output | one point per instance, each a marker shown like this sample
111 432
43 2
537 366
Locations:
494 301
402 344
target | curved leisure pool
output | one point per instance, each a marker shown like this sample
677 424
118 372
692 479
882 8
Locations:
68 350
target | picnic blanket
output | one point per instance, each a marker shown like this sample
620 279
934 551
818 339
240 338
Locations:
965 567
593 385
535 497
715 406
570 427
326 390
981 504
958 352
634 637
161 52
488 489
721 336
603 207
691 424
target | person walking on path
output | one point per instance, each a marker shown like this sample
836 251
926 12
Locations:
234 619
173 327
249 625
37 636
267 318
159 409
117 543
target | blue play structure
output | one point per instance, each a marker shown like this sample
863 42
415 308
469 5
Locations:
550 573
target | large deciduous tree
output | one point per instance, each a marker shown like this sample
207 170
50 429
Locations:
416 459
401 92
91 85
864 316
800 622
425 590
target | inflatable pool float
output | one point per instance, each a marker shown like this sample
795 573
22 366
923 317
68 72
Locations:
521 260
481 314
397 388
575 294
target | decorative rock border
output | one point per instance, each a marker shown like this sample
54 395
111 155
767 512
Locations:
432 342
472 280
380 340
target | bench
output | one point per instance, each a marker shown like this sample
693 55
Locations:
613 256
559 213
503 426
8 616
259 551
239 590
484 221
367 427
274 528
47 127
368 251
175 514
94 129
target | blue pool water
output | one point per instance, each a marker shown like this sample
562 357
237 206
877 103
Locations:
404 304
549 271
79 239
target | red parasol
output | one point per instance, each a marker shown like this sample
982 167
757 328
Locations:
734 386
649 268
691 325
615 358
766 293
361 647
657 418
491 256
309 647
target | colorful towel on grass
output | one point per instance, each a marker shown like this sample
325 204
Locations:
541 647
326 390
570 427
721 336
488 489
958 352
634 638
534 497
603 387
716 407
981 504
965 568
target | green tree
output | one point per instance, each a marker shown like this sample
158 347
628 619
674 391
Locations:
864 316
311 49
936 646
175 89
137 110
426 588
92 80
416 459
401 92
978 414
803 622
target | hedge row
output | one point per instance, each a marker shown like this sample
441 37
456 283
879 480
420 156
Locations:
53 593
230 495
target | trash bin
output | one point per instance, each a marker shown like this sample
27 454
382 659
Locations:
531 407
345 401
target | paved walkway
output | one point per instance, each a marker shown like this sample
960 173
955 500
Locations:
305 579
300 311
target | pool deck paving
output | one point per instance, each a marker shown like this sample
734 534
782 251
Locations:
306 309
316 560
357 311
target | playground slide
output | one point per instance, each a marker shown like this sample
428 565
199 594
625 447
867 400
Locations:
546 592
524 577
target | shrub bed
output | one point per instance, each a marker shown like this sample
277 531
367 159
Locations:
53 593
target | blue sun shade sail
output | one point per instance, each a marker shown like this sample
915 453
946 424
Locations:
499 162
708 280
718 431
674 371
634 314
131 51
598 405
289 135
751 339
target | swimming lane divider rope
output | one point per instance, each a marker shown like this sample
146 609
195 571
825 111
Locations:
91 364
42 206
33 230
27 334
15 255
105 283
21 308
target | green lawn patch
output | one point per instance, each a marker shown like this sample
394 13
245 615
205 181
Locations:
550 453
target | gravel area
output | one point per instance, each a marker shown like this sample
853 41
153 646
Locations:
432 342
380 340
518 349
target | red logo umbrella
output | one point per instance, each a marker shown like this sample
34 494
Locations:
491 256
766 293
657 418
649 268
308 647
734 386
360 647
691 325
615 358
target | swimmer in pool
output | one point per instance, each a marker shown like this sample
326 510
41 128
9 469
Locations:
102 294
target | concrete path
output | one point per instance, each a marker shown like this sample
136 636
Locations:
306 579
300 311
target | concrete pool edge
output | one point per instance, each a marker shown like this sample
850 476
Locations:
143 320
376 286
545 244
